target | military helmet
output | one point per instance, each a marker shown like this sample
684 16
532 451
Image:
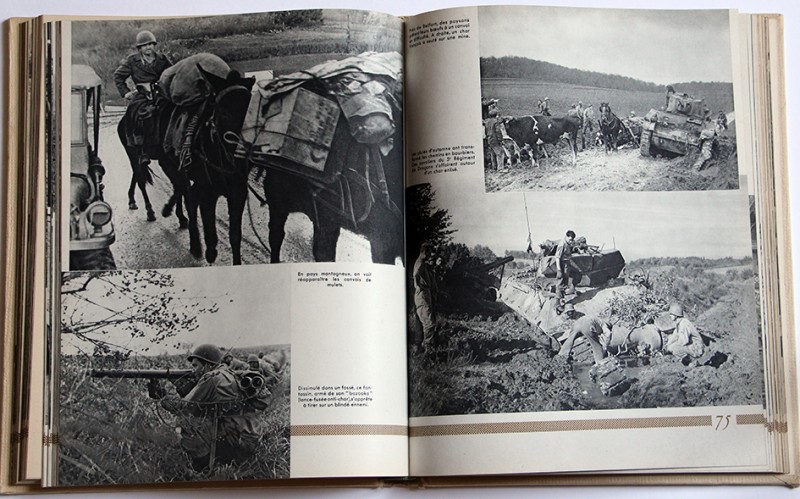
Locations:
145 37
676 309
569 307
252 358
207 352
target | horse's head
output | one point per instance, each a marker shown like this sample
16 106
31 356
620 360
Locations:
605 109
229 98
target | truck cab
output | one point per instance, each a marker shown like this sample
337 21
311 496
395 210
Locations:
91 230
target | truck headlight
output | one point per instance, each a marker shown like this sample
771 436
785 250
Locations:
98 214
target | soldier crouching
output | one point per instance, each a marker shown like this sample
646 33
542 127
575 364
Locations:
216 424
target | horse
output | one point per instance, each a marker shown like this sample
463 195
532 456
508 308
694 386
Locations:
141 173
366 197
613 129
214 171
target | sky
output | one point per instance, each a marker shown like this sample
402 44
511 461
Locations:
711 224
654 46
252 309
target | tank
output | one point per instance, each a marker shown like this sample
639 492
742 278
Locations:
682 128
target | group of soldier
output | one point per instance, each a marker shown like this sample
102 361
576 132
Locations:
684 342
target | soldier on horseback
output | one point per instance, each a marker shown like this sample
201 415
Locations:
143 68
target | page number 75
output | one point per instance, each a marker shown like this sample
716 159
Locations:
722 422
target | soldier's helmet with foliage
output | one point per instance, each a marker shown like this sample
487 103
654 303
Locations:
145 37
207 352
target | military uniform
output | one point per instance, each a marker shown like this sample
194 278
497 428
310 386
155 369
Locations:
686 340
141 72
494 137
592 330
423 299
568 272
216 399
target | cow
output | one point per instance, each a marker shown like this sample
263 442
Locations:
524 131
552 129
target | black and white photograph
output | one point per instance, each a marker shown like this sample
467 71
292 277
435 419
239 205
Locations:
165 377
636 302
607 100
229 140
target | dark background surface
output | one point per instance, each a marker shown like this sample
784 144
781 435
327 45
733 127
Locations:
788 8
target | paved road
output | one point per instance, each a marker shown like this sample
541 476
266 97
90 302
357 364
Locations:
161 244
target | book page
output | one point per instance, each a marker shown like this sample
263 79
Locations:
231 301
581 259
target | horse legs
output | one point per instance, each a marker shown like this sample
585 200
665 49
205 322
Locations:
132 193
151 215
208 212
175 201
195 247
236 202
277 225
326 235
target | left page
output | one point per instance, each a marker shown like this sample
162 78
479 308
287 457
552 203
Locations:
197 155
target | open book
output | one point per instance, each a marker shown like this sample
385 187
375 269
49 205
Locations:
437 250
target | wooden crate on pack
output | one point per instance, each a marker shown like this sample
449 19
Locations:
298 126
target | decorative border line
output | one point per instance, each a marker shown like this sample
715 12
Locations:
576 425
527 426
759 419
751 419
348 430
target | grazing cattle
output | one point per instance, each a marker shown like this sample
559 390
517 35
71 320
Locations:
524 131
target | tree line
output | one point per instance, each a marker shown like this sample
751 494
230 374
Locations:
530 69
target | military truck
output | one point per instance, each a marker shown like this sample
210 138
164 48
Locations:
683 127
91 231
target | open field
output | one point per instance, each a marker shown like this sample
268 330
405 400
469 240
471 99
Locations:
519 97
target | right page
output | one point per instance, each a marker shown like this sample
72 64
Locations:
584 292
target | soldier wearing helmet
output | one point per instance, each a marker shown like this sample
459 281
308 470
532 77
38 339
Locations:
686 340
215 424
142 68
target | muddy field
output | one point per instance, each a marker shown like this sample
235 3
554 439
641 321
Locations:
496 362
623 170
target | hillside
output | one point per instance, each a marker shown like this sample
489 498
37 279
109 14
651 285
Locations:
540 71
